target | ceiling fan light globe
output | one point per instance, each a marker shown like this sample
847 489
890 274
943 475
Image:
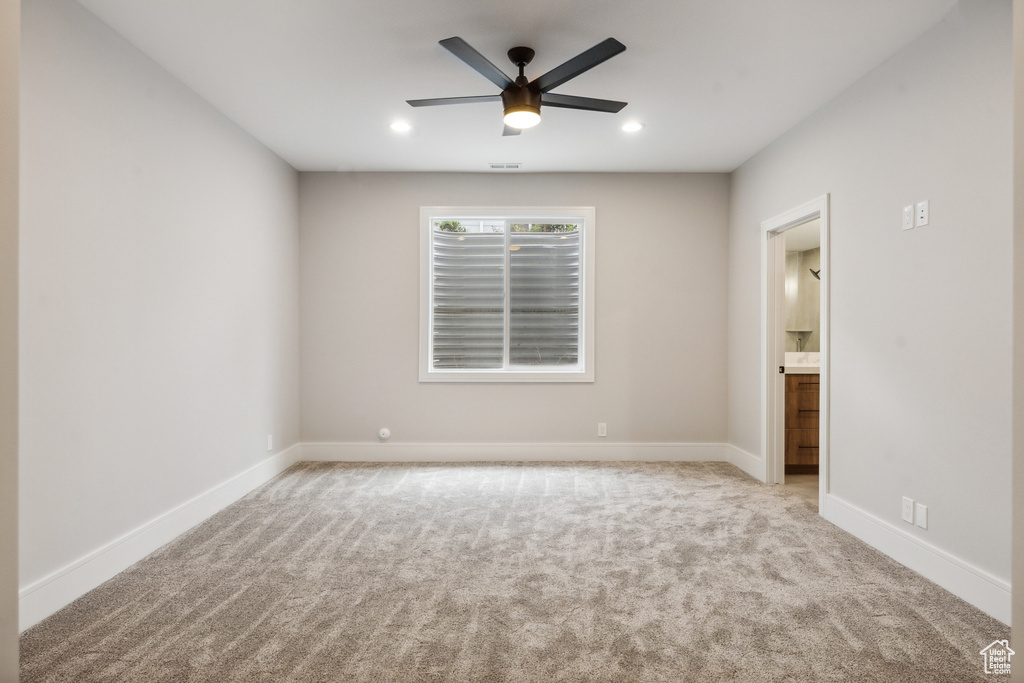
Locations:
522 116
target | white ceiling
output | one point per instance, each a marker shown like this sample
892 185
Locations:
318 81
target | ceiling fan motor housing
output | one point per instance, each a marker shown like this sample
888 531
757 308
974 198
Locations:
520 97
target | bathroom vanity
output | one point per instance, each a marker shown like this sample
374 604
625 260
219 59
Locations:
802 409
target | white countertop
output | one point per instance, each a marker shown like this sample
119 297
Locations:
803 363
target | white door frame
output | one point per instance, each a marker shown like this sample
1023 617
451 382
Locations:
773 344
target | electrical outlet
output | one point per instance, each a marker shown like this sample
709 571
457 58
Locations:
908 217
921 515
602 429
908 510
270 442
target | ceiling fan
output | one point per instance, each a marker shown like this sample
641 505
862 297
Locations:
522 99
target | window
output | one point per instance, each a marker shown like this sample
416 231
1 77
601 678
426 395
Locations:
506 294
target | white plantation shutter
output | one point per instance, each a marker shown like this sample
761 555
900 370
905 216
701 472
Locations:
469 300
544 298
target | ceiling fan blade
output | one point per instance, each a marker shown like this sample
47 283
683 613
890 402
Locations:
550 99
464 51
509 130
454 100
601 52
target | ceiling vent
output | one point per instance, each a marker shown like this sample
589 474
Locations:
501 166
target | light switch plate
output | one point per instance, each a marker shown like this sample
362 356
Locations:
908 217
908 510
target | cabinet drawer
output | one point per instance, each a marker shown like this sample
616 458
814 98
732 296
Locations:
802 408
801 446
801 383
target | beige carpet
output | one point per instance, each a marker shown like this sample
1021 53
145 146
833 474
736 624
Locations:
514 572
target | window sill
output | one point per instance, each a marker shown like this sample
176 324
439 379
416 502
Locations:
506 376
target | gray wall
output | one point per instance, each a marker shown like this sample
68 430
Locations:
910 413
660 312
159 292
9 46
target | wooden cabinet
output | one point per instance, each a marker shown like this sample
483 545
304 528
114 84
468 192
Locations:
802 408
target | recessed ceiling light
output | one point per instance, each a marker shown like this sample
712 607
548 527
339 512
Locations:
400 126
632 126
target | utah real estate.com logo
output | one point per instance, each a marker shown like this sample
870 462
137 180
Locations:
997 657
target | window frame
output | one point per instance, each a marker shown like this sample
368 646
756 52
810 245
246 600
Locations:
583 371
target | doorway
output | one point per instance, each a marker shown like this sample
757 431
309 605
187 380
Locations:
804 221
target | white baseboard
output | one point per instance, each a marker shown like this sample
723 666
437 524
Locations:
44 597
513 452
748 462
988 593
